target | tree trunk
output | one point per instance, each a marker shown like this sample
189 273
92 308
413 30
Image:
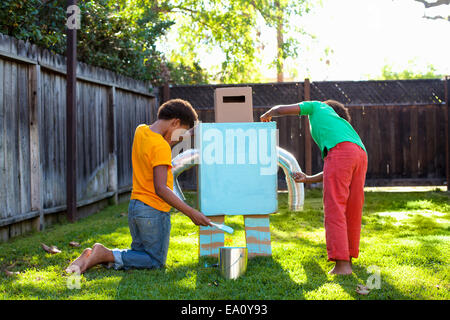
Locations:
280 62
280 41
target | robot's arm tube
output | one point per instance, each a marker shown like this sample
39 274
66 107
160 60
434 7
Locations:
286 161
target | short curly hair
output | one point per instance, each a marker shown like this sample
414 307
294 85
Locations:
340 109
178 109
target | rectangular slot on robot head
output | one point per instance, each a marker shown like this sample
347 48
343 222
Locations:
233 104
233 99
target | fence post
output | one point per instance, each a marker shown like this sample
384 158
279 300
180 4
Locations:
308 149
112 141
34 78
71 120
166 92
447 129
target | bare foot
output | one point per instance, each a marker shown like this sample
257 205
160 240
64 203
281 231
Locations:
100 254
342 267
79 263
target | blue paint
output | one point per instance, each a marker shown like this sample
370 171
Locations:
223 227
257 222
211 251
208 228
261 236
238 168
215 237
259 248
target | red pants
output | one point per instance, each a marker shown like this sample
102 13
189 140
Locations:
344 175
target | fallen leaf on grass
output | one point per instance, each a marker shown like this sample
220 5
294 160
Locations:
362 290
52 249
74 244
213 283
10 273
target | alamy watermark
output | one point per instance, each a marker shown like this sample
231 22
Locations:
374 280
74 17
230 147
74 280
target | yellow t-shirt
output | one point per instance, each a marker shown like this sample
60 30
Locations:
149 150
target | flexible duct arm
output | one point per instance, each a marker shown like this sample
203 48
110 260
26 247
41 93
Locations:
286 161
181 163
289 164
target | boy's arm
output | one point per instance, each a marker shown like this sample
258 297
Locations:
281 110
164 192
301 177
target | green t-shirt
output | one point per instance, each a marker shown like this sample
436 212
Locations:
327 128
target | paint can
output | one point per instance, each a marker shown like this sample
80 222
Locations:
232 261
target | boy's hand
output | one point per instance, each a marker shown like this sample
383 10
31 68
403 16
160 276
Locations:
266 117
199 219
300 177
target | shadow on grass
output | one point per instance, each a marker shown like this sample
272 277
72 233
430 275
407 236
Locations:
265 279
301 277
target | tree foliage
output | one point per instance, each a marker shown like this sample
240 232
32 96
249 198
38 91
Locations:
278 14
113 34
121 35
387 73
232 26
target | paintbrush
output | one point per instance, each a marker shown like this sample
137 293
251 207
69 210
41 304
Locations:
223 227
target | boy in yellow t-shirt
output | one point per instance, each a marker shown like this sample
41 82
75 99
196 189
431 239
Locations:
152 195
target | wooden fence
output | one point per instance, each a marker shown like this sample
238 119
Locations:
33 135
402 124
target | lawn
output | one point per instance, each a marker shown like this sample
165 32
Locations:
405 240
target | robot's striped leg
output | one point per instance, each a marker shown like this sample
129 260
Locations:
211 238
257 235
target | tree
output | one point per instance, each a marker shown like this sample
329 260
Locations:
278 14
121 35
387 73
232 26
208 24
432 4
113 34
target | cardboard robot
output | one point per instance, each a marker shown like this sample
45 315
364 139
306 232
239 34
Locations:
238 162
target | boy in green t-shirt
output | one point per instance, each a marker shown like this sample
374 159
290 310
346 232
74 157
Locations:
343 176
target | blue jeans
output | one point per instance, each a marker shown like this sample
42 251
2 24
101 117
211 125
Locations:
150 233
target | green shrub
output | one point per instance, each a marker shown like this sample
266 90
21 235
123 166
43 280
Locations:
115 35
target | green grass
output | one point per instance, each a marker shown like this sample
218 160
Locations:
405 235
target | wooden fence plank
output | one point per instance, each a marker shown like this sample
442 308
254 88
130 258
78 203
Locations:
11 143
392 138
384 141
414 142
3 134
62 137
23 139
111 142
428 139
58 142
53 127
36 183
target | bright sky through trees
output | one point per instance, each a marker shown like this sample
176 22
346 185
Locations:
354 39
